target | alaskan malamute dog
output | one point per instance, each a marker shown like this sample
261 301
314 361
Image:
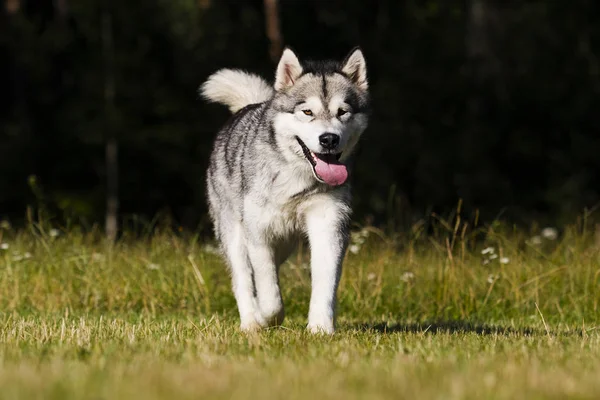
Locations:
279 171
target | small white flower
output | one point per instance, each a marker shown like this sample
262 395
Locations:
493 256
536 240
549 233
407 276
210 249
97 257
27 255
371 276
486 262
4 224
492 278
356 238
354 248
488 250
54 233
153 266
4 246
359 237
504 260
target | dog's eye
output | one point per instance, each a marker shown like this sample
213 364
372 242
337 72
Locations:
341 112
307 112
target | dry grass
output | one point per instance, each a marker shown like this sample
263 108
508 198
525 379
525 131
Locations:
420 317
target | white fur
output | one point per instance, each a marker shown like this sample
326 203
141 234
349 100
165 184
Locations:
288 70
243 287
259 227
323 216
319 217
236 89
356 68
309 131
313 104
335 104
281 217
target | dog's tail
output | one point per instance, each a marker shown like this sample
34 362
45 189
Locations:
236 89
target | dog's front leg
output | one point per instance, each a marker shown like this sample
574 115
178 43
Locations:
327 227
261 257
236 250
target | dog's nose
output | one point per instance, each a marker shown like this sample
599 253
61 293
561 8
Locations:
329 140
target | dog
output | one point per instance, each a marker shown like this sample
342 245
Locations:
279 171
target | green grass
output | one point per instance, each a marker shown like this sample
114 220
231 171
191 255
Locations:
419 317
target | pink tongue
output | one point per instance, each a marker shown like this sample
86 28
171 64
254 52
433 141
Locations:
333 174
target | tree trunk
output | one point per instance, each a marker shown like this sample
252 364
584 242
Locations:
483 63
112 147
62 8
12 6
273 29
204 4
482 68
112 188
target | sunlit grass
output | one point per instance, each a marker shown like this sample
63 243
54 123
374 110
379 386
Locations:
456 314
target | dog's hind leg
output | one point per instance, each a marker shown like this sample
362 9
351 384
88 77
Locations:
266 280
236 250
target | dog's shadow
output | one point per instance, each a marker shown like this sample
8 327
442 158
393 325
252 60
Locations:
442 327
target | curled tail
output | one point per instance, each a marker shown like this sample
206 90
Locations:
236 89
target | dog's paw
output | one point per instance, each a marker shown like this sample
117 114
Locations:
321 329
252 323
273 317
250 326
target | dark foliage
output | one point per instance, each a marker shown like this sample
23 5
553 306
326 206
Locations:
494 103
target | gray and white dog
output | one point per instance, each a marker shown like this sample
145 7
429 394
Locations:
278 171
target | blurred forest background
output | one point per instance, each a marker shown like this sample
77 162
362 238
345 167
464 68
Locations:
495 103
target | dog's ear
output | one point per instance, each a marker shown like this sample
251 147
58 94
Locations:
355 67
288 70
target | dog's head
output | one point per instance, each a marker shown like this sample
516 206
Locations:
321 111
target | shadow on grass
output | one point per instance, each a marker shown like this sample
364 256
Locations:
435 327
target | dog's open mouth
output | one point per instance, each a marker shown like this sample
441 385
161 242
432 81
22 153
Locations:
326 167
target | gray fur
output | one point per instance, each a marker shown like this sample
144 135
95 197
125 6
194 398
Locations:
264 193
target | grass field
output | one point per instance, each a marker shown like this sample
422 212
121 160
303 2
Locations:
421 317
